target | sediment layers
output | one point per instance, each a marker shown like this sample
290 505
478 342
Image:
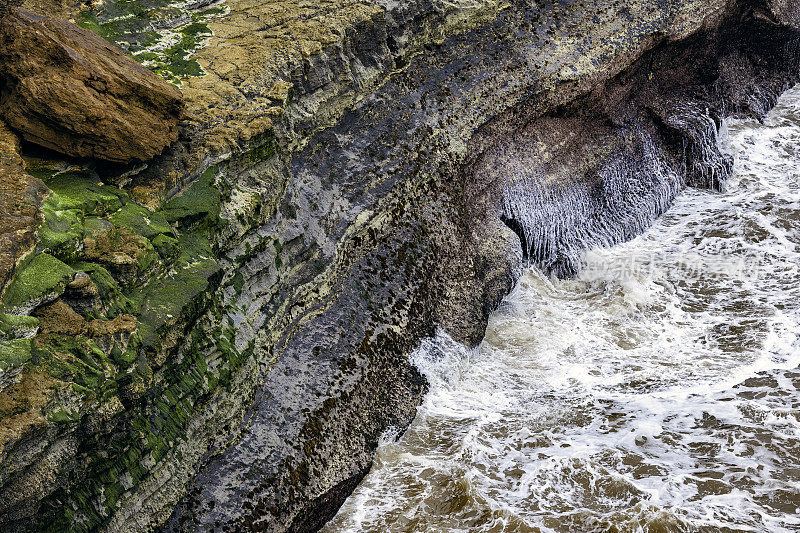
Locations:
352 175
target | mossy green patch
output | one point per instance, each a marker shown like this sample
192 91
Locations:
238 282
107 30
177 294
79 191
14 353
41 280
166 246
141 220
95 226
102 278
200 203
77 360
60 416
110 291
264 151
62 232
160 35
17 326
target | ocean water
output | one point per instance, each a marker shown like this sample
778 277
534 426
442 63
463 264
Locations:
659 390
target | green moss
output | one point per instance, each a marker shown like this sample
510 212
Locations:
129 24
102 278
62 232
77 360
176 295
208 13
141 221
79 191
60 416
107 30
200 203
238 282
39 170
110 292
264 151
166 246
14 353
196 28
16 326
147 260
127 358
41 280
173 61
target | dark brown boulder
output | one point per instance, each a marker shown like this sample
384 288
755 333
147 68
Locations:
65 88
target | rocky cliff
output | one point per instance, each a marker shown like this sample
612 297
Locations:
213 336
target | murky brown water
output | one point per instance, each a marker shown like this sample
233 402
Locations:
659 391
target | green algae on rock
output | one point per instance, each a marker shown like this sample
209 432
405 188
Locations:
41 280
159 34
13 353
316 219
17 326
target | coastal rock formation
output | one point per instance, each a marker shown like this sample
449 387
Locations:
218 341
65 88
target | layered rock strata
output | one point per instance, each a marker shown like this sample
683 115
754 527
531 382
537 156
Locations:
237 314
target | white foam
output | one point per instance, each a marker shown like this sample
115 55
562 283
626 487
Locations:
658 390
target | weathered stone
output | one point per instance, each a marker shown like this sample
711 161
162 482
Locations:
331 206
81 293
67 89
21 197
786 12
125 253
59 318
109 334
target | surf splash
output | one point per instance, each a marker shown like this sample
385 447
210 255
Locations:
656 390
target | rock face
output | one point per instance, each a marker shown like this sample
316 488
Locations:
65 88
21 197
220 346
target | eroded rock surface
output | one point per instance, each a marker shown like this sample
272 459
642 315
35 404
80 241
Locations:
65 88
21 197
248 301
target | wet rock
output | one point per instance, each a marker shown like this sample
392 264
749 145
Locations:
66 89
476 284
787 12
324 214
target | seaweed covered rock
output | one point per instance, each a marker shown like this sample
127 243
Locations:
65 88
